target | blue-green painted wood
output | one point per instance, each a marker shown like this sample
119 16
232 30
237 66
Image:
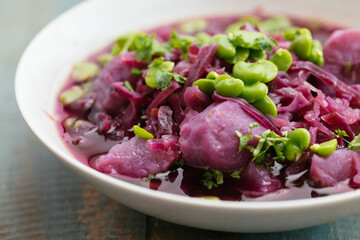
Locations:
41 199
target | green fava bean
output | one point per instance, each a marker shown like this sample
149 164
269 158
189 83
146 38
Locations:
275 25
241 55
257 55
212 75
225 48
316 55
250 73
254 92
222 77
299 140
270 70
205 85
229 87
73 94
324 148
203 38
302 43
193 26
282 59
104 59
266 106
84 71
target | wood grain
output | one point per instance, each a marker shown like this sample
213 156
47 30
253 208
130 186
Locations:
41 199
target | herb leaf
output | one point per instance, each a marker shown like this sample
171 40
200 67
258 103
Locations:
212 179
339 133
267 140
148 178
181 42
244 139
354 144
163 80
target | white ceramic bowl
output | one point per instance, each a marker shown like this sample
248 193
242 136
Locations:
93 24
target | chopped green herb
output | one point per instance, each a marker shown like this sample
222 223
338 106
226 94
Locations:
340 133
143 46
136 72
244 139
128 86
181 42
151 176
178 78
180 162
163 80
268 140
212 179
236 174
347 66
354 144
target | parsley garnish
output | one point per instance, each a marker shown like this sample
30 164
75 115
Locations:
163 80
355 143
148 178
244 139
340 133
136 72
212 179
181 42
143 47
267 140
266 43
236 174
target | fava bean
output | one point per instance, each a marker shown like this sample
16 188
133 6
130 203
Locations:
241 55
266 106
257 55
275 25
140 132
203 38
104 59
301 41
316 55
254 92
299 140
248 39
84 71
73 94
222 77
212 75
193 26
250 73
225 48
282 59
205 85
270 70
324 148
229 87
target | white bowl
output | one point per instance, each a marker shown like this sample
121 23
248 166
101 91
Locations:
93 24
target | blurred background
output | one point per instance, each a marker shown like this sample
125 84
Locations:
41 199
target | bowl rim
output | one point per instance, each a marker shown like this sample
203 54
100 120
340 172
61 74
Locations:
72 162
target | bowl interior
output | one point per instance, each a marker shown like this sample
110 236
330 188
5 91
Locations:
92 25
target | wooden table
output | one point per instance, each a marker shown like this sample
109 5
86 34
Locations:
41 199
